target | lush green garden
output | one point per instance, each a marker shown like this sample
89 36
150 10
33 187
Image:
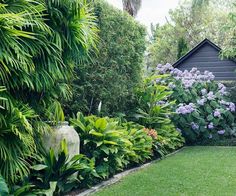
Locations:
193 171
84 62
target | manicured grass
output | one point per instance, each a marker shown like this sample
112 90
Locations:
199 171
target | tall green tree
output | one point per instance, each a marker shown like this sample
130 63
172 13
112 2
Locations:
192 21
230 27
132 6
182 47
111 76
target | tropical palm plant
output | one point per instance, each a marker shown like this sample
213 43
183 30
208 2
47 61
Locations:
132 6
17 141
41 43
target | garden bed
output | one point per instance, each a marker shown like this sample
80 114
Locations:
118 177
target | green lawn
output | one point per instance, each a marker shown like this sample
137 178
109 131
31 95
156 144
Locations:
199 171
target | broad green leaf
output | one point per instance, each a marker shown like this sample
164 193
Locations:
101 123
3 187
95 133
109 142
39 167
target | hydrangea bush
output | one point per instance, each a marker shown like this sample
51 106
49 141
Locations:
203 110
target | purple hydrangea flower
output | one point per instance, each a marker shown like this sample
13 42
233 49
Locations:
185 109
217 113
201 101
162 69
193 70
210 96
223 91
223 102
194 126
204 91
171 85
210 126
188 83
221 132
210 136
232 107
220 85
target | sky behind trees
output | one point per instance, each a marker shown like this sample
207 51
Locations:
152 11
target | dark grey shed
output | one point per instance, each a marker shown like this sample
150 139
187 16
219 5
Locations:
206 56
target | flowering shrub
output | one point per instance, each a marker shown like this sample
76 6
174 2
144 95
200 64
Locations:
203 109
151 132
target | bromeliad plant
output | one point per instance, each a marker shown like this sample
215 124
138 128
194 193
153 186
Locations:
60 171
203 110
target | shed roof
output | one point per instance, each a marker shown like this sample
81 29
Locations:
189 54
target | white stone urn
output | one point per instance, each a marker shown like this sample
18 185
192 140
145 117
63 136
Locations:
60 132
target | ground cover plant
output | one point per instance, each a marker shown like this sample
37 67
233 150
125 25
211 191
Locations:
203 107
193 171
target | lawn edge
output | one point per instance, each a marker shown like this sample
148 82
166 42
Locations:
118 177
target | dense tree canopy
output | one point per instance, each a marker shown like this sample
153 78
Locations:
230 47
190 23
113 73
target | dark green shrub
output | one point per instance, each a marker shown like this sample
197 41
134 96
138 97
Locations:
112 74
140 150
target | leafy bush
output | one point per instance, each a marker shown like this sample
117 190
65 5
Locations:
17 142
112 74
153 109
155 112
141 148
168 140
203 108
113 146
